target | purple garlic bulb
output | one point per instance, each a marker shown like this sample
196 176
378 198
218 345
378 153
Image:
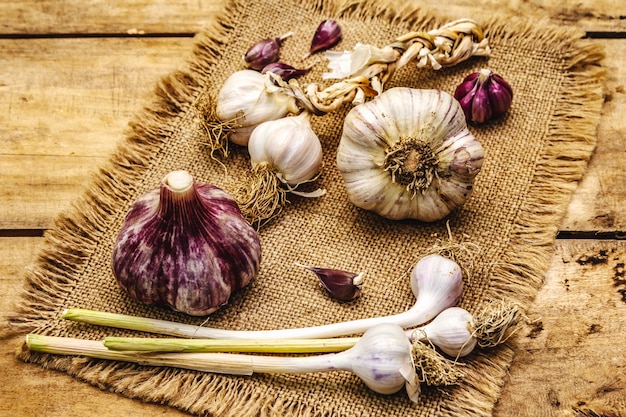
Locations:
264 52
185 245
327 35
484 95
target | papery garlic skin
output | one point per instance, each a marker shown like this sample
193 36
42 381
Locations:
249 98
408 154
186 246
289 146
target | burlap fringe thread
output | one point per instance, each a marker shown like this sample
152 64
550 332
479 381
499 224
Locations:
70 243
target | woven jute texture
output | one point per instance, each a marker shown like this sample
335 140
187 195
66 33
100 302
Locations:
534 158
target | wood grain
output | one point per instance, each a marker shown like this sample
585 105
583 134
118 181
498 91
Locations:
69 85
64 106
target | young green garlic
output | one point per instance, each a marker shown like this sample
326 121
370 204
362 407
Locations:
185 245
436 282
408 154
248 98
284 154
382 359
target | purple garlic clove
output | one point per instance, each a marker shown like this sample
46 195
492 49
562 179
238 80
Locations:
342 285
484 95
284 71
327 35
264 52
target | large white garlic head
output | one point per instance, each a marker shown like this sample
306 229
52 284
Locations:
408 154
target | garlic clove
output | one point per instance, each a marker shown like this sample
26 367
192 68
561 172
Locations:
284 71
185 245
342 285
264 52
327 35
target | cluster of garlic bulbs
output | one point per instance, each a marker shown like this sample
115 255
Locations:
255 106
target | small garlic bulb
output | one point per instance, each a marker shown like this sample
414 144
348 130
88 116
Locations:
249 98
408 154
284 153
451 331
288 145
186 246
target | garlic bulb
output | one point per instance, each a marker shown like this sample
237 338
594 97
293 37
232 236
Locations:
408 154
248 98
451 331
186 246
284 153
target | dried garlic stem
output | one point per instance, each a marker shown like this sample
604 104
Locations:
446 46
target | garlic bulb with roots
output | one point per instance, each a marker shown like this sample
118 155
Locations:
248 98
185 245
284 154
408 154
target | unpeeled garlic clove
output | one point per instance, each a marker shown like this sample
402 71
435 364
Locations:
284 71
327 35
342 285
264 52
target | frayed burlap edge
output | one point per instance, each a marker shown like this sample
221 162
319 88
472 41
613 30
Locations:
570 141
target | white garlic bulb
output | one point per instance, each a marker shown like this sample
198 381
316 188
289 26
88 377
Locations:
289 146
408 154
249 98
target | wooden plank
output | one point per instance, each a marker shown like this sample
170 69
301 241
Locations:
46 17
598 203
568 361
30 17
571 361
64 105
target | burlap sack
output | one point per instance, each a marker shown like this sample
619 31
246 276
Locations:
534 158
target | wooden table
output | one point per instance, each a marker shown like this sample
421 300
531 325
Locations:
73 73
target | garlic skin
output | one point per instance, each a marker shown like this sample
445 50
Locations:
289 146
451 331
408 154
185 245
248 98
